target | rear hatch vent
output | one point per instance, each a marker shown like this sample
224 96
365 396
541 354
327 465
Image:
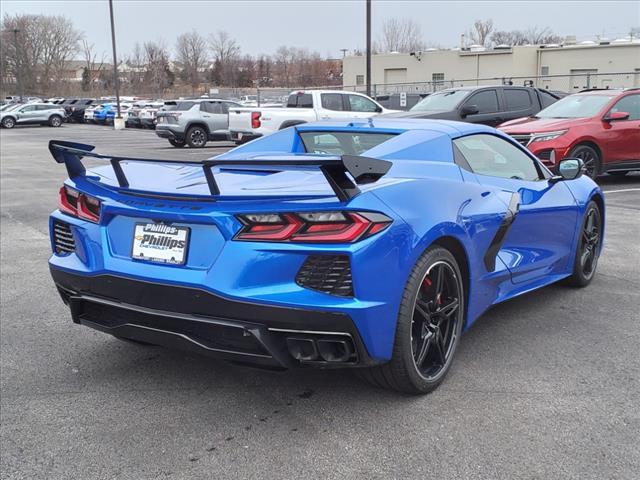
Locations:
327 273
63 238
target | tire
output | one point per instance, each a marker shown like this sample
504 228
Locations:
177 143
8 122
417 338
588 248
590 157
618 173
196 137
55 121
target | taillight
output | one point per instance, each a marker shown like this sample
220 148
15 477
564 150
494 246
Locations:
79 204
311 227
255 120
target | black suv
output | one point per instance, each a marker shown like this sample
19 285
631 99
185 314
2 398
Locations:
75 107
490 105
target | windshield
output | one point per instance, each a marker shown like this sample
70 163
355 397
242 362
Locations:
440 101
342 143
576 106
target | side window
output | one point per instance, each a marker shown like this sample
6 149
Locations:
361 104
332 101
546 98
486 101
28 108
211 107
496 157
300 100
629 104
517 99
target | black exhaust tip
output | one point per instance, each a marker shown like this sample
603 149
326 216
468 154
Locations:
335 350
303 349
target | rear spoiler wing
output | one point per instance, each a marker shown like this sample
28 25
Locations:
361 170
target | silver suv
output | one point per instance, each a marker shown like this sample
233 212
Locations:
194 122
32 113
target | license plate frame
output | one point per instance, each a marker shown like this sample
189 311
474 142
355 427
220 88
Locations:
163 234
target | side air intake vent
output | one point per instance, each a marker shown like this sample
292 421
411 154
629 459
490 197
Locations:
63 238
327 273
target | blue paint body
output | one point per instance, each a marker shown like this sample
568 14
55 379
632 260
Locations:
428 196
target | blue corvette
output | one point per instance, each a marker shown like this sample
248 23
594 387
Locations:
363 243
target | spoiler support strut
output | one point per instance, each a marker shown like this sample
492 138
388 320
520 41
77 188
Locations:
361 170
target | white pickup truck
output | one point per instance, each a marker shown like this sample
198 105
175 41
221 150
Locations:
247 123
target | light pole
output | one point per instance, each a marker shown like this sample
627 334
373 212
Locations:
117 121
368 47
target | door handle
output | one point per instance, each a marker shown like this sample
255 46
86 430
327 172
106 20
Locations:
206 116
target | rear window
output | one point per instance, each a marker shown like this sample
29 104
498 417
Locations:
300 100
342 143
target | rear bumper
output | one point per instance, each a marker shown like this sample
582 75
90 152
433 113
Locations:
199 321
164 132
240 136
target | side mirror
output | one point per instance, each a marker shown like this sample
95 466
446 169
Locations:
378 109
568 169
469 110
613 116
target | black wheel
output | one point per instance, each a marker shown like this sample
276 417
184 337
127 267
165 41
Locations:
8 122
588 250
590 157
429 326
55 121
177 143
196 137
618 173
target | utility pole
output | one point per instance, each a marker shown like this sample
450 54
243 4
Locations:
117 121
18 71
368 48
344 52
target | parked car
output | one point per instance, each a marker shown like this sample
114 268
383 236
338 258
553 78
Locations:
76 107
601 127
89 111
194 122
143 114
33 113
491 105
376 257
302 107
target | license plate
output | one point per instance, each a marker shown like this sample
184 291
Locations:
240 135
160 243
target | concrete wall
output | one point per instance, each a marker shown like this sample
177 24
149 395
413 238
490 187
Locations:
463 67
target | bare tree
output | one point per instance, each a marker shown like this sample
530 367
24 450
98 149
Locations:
158 76
22 51
226 52
512 38
61 43
540 36
93 68
400 35
191 49
481 31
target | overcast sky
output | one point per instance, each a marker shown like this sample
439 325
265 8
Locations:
325 26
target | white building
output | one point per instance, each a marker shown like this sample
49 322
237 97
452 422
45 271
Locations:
568 68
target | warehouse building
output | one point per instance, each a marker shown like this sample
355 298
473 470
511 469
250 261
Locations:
568 68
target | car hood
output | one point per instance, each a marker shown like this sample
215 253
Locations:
535 125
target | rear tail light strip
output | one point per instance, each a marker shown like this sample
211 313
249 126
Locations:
80 205
255 119
311 227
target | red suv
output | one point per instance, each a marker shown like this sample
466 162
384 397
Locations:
602 127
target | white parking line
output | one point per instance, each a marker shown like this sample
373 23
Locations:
625 190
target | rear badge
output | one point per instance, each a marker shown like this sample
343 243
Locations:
160 243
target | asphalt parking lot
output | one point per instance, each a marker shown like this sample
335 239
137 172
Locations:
545 386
